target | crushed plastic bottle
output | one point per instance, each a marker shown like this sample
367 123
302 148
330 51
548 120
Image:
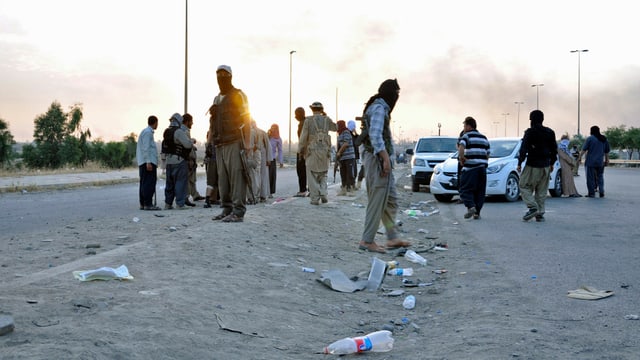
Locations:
415 258
379 341
401 272
409 302
308 269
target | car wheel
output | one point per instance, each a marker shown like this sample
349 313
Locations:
443 197
415 186
512 191
556 191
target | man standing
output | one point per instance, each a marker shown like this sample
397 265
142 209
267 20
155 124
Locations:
346 156
212 173
473 155
147 156
540 150
597 148
231 136
177 146
378 168
264 147
301 168
187 121
276 157
315 147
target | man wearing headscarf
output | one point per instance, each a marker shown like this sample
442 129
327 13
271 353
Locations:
540 150
347 157
378 169
231 122
597 149
177 166
351 125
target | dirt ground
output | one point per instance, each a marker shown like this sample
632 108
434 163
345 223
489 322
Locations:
210 290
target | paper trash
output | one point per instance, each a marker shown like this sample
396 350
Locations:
104 273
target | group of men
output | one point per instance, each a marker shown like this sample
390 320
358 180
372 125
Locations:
539 149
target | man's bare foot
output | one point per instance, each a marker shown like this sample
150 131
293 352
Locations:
397 243
372 247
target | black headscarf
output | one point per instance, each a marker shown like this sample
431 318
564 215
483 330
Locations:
595 131
388 91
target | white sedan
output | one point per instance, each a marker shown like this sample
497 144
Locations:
502 176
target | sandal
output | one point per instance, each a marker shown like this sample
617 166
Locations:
371 247
394 244
219 216
232 218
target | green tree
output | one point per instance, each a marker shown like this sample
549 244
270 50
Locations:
631 140
58 138
6 144
615 136
131 143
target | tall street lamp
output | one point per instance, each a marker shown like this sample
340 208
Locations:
579 51
537 86
290 77
186 28
505 123
518 103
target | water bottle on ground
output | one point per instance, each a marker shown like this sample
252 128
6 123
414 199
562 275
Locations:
379 341
401 272
409 302
415 257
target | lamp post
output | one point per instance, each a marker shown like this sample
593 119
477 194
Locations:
537 86
518 103
505 123
579 51
186 62
495 132
290 82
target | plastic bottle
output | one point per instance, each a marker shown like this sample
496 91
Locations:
415 258
379 341
409 302
401 272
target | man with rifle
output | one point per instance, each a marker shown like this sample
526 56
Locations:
230 122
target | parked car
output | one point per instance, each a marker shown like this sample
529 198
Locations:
428 152
502 176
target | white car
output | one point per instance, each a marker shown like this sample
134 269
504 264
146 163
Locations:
428 152
502 176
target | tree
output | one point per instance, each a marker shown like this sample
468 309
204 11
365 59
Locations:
615 136
631 140
59 139
6 144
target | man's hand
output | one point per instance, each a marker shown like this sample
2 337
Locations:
149 167
386 163
519 169
551 168
281 165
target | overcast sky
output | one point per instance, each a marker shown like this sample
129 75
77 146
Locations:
124 60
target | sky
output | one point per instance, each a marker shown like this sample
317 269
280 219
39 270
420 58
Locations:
125 60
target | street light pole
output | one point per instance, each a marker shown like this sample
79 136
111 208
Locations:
505 123
537 86
290 82
579 51
186 47
518 103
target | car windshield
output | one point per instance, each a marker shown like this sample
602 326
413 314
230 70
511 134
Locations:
502 148
437 145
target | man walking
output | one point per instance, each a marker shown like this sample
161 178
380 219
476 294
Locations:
315 147
378 169
473 156
540 150
231 136
147 156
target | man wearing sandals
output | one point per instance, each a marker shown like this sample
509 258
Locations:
378 169
231 135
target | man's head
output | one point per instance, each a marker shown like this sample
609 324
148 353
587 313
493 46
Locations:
176 118
187 120
536 117
389 91
594 130
469 123
299 113
152 121
223 74
316 106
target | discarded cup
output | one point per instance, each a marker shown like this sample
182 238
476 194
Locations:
409 302
415 257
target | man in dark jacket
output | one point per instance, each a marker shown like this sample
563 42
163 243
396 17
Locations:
540 150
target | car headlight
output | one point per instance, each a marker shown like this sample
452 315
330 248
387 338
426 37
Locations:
419 162
496 168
